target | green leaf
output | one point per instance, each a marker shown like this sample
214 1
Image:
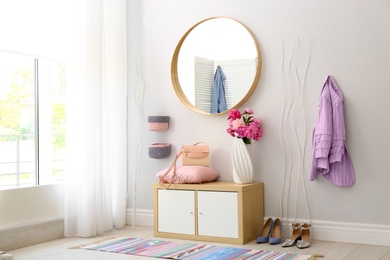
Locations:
246 140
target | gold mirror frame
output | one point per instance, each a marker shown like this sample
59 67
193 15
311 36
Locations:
175 77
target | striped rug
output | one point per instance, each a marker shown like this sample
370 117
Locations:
188 251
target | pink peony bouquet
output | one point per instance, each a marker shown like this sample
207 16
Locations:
244 125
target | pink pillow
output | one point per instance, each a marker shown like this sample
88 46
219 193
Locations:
190 174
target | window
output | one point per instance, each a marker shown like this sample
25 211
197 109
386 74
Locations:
32 121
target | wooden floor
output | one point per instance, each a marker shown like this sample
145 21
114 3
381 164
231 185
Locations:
61 248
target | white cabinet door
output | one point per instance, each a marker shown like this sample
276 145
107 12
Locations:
176 209
218 214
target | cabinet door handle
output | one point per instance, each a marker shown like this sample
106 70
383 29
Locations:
191 213
200 213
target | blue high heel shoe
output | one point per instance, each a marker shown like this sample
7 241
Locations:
276 234
264 236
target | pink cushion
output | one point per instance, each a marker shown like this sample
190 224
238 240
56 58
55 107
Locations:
190 174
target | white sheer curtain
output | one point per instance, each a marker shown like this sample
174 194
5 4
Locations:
95 191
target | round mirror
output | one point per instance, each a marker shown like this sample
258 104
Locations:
216 66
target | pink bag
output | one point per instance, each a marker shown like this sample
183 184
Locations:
196 154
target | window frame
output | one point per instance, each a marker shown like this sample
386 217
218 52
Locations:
37 131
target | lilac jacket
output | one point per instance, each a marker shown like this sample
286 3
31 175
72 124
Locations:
330 156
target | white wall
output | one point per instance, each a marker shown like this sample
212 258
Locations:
349 39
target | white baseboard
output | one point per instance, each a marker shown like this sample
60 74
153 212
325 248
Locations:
360 233
143 217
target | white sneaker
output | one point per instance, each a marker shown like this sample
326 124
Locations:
5 256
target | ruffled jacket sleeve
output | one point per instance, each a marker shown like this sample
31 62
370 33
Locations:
322 136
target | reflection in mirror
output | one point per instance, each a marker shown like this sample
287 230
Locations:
216 66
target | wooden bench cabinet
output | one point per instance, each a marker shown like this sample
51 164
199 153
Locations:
218 211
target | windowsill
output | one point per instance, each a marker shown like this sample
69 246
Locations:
31 204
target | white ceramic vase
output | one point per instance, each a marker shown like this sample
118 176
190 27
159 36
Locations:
242 162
